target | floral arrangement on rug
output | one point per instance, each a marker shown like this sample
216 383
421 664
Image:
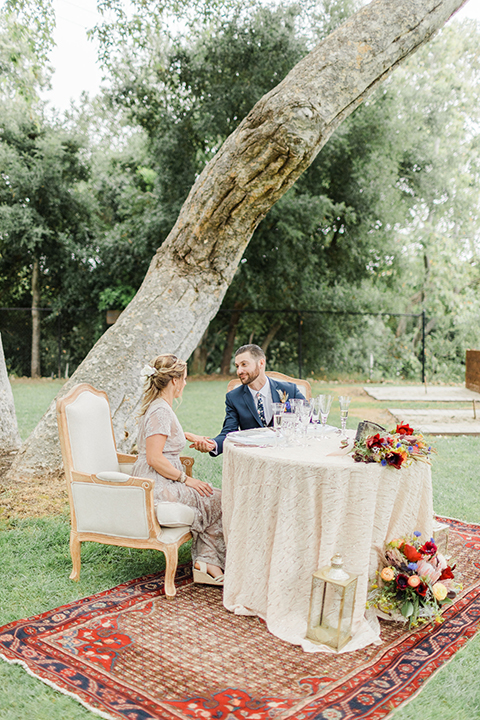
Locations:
415 582
397 448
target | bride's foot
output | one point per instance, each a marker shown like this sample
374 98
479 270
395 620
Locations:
207 574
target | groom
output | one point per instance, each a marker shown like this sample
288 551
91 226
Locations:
250 404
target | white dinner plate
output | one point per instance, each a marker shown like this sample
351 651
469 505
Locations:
257 436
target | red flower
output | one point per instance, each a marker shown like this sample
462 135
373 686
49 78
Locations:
429 548
411 553
374 441
421 589
402 581
447 574
395 459
404 429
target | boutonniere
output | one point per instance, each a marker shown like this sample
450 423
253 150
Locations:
283 396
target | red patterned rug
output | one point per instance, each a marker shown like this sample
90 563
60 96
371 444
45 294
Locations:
131 653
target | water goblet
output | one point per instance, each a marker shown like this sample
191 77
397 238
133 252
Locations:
304 412
324 404
344 403
289 426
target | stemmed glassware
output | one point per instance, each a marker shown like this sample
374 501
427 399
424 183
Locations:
303 409
324 405
344 404
278 413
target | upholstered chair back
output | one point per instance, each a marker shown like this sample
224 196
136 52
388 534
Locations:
91 435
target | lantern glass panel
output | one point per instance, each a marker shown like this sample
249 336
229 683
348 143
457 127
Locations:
331 609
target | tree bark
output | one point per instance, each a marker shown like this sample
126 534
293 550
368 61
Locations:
9 435
270 335
230 342
256 165
200 356
35 370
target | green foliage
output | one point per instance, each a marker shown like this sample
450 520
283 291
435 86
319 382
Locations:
386 218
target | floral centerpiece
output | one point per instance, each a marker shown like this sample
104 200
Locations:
400 447
415 582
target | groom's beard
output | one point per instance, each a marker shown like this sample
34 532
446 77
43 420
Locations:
248 378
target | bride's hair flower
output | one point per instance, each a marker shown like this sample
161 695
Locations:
147 371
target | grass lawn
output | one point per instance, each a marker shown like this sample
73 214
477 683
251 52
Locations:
36 559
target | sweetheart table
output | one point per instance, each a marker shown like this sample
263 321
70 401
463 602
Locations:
288 510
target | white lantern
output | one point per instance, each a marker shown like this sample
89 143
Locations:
331 605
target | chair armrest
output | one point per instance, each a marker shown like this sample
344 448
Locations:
124 458
127 480
187 463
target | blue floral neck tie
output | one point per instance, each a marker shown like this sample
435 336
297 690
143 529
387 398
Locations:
261 409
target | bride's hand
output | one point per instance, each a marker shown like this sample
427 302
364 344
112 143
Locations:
200 486
202 443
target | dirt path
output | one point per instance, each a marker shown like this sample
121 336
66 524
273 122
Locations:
21 498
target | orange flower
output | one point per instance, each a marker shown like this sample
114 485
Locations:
414 581
387 574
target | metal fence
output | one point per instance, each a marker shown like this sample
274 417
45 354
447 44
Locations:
65 338
308 340
299 318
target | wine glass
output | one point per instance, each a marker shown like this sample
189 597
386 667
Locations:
324 404
344 403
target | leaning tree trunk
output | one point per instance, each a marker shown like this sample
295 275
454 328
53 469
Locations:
9 435
256 165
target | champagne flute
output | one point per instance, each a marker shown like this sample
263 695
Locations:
344 403
325 403
278 413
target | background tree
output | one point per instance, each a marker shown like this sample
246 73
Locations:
258 163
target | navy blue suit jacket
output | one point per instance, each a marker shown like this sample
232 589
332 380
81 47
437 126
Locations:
241 411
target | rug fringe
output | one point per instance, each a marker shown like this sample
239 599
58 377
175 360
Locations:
77 699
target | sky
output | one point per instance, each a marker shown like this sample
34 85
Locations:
75 57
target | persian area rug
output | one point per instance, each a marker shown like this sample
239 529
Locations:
131 653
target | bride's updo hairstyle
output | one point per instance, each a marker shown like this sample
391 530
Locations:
160 372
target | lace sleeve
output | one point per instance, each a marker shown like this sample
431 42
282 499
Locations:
159 422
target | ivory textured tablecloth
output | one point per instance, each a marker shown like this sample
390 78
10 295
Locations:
287 511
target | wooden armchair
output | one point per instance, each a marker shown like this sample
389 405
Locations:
107 504
303 385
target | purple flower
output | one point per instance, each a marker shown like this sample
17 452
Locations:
410 448
383 462
417 533
412 566
398 445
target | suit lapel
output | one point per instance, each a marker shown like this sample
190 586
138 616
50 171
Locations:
249 402
274 391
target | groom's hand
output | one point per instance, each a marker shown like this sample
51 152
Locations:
203 444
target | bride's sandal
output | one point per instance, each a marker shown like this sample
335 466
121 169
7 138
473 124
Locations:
203 577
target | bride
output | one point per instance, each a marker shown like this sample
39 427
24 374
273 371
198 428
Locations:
160 441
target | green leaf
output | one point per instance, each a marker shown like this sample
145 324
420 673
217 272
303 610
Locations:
407 609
